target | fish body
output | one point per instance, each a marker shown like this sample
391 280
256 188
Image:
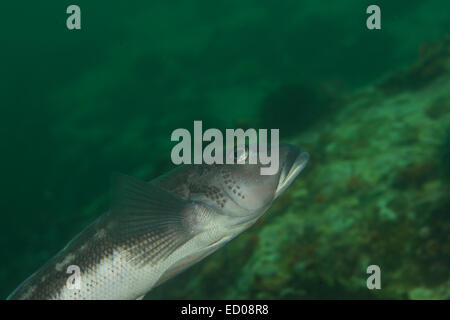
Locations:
155 230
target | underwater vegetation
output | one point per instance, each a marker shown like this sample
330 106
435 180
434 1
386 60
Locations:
444 154
373 194
430 66
317 102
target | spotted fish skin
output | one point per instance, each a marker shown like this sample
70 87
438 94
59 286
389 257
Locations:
155 230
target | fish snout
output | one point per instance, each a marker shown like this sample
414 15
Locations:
292 161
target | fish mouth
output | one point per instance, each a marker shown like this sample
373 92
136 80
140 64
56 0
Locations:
295 162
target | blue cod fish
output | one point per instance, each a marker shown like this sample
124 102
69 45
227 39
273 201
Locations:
155 230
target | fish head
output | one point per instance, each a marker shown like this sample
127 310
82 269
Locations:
240 189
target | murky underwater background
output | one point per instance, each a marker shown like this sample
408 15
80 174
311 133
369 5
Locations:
371 107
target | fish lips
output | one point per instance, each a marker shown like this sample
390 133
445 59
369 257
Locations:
295 162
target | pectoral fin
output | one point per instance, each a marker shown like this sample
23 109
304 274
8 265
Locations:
150 222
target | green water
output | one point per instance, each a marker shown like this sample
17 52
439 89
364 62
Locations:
78 105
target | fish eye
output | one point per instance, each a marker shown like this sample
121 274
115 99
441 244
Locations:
240 154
